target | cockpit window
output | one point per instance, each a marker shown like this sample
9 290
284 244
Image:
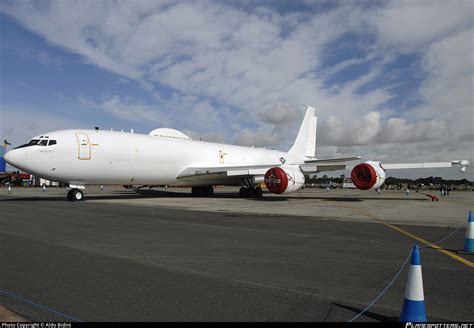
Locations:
30 143
34 142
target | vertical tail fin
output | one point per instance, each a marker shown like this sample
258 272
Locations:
305 143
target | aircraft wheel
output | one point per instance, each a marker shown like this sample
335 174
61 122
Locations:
75 195
197 191
78 195
258 192
69 196
244 192
209 191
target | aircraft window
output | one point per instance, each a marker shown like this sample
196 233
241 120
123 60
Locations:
52 142
43 143
32 142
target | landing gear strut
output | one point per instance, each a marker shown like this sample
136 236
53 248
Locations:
75 195
202 191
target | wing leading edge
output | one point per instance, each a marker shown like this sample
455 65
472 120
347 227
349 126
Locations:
399 166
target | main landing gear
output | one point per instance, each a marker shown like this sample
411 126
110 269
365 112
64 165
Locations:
202 191
250 192
75 195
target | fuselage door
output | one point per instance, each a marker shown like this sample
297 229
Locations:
84 150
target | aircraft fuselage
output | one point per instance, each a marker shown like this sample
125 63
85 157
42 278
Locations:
108 157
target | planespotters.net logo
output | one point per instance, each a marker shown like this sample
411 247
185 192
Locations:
439 325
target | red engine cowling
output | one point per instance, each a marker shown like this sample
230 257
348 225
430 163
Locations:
283 181
368 175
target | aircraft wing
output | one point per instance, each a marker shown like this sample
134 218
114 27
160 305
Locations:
310 166
230 171
398 166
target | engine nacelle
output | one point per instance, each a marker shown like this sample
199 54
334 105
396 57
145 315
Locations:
283 181
368 175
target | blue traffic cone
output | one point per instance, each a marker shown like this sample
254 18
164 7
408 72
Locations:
414 303
469 241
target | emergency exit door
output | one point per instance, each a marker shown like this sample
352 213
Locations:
84 150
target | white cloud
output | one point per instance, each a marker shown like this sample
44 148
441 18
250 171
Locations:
398 130
31 123
359 132
282 114
130 112
264 137
369 130
412 25
127 109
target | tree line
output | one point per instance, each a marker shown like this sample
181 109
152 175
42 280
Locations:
397 181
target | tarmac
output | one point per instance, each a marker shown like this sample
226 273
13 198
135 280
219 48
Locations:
163 255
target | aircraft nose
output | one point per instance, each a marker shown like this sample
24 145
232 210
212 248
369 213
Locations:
7 156
15 157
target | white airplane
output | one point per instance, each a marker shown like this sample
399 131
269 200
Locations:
169 157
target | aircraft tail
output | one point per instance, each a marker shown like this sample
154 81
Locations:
305 143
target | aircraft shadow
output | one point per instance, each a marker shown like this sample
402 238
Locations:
143 194
127 195
355 199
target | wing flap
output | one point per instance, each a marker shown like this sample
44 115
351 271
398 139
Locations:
233 171
332 160
311 168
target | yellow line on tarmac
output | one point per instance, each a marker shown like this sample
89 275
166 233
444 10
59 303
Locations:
406 233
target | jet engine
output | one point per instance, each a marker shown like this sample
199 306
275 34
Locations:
368 175
283 181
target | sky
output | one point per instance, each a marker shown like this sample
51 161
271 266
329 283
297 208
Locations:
391 80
